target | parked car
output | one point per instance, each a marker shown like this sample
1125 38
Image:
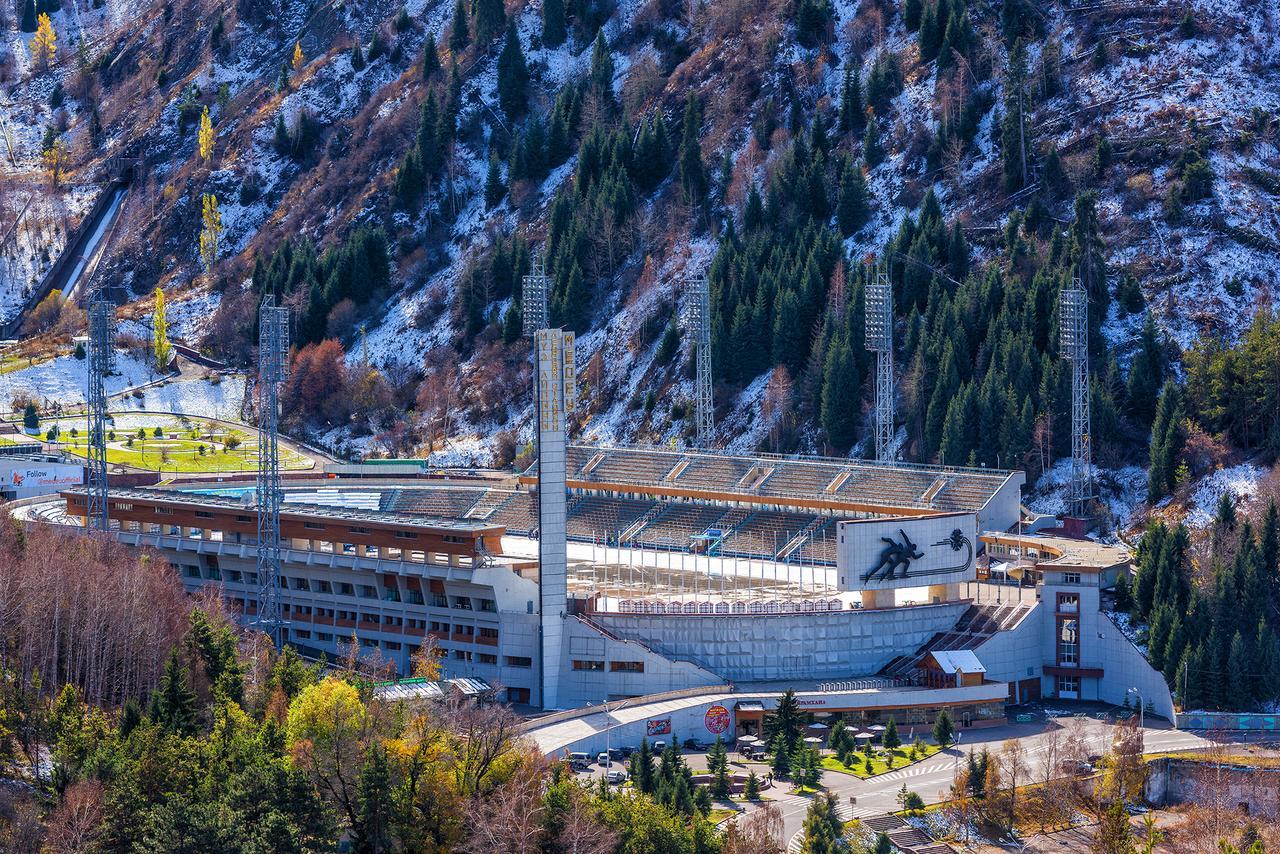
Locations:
580 761
616 775
602 759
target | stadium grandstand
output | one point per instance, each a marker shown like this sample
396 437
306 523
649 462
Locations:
686 571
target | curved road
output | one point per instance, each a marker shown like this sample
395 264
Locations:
930 778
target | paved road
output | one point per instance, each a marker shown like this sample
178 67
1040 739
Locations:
931 777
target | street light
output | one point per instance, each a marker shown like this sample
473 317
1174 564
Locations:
1139 693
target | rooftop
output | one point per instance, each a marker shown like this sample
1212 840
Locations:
181 498
1064 551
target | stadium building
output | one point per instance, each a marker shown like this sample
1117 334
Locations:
715 581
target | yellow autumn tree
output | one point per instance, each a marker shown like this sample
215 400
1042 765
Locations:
55 160
204 136
297 55
211 230
45 42
160 333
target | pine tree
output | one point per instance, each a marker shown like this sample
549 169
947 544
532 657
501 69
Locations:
173 705
513 75
160 345
751 791
459 33
371 830
554 29
693 177
1167 441
602 70
851 208
491 17
852 111
781 762
943 728
891 740
642 770
840 385
1013 146
494 189
357 57
911 11
1123 594
872 151
430 57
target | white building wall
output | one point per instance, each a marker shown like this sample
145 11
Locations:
1002 511
1127 668
580 687
759 647
1017 654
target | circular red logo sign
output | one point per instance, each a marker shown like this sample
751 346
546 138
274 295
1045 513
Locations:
717 720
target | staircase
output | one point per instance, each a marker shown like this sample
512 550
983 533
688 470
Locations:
643 522
488 504
801 538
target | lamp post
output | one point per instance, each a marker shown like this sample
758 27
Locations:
1141 724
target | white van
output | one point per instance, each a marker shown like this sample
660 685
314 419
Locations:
602 759
580 761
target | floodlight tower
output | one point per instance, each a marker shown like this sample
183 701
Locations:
101 317
273 346
697 318
879 340
534 296
1073 332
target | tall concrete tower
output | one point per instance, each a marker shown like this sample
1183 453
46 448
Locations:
556 386
879 340
1073 332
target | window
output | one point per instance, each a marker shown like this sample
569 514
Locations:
519 661
579 664
355 530
517 695
406 535
1068 603
164 511
488 605
313 526
462 603
324 586
302 634
626 666
346 589
190 571
1070 578
326 637
1069 641
299 583
438 600
1069 687
367 592
203 514
462 654
439 627
391 645
488 658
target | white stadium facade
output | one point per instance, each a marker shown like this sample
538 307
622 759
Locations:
693 588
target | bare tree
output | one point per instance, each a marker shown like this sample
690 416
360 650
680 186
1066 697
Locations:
76 824
761 832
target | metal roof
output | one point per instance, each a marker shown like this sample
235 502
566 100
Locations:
342 514
958 660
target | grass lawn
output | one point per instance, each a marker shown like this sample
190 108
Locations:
177 449
879 761
719 814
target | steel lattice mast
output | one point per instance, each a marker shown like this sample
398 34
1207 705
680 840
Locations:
1073 331
101 318
534 297
698 326
879 340
273 347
